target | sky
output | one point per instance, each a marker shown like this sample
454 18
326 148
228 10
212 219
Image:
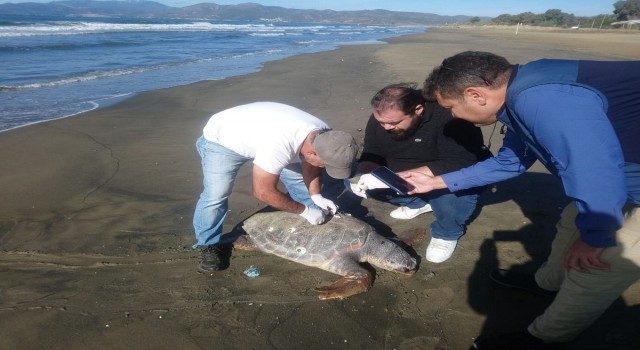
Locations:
491 8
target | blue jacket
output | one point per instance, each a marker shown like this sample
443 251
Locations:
581 119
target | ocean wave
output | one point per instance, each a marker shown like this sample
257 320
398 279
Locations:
80 28
311 42
50 69
267 34
85 27
67 46
75 79
95 75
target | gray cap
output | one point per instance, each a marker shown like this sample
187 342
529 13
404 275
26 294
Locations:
338 150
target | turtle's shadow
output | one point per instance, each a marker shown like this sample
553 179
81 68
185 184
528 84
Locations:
237 231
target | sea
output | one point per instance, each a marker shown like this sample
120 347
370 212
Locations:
54 67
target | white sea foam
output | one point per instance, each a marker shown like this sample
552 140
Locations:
266 34
79 79
91 105
310 42
128 71
78 28
53 69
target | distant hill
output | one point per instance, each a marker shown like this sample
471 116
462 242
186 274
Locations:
202 11
86 8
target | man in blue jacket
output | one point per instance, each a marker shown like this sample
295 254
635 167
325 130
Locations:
581 119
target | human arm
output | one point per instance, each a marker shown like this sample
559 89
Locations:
570 122
511 160
313 181
371 158
311 177
265 189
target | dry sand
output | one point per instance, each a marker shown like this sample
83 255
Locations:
95 221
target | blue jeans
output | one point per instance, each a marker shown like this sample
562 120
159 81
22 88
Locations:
452 211
220 166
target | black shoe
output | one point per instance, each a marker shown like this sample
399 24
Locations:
213 258
522 281
522 340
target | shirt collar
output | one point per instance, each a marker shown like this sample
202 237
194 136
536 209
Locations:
502 112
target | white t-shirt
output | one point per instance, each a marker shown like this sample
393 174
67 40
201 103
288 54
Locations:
268 132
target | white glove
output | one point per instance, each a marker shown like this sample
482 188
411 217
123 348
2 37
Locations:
352 185
370 182
313 215
324 204
358 191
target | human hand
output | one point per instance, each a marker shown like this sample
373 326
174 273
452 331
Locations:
324 204
421 182
313 215
358 191
351 184
581 257
370 182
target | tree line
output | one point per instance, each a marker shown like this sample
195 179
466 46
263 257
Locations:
623 11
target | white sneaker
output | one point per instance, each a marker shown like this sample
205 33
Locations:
440 250
405 213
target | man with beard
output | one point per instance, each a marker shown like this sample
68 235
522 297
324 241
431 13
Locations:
407 132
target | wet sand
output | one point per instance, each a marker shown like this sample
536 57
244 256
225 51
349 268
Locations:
96 209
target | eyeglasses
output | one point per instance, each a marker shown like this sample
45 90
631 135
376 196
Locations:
393 123
486 81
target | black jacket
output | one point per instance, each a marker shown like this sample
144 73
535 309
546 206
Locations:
442 143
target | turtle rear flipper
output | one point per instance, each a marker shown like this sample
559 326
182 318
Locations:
244 243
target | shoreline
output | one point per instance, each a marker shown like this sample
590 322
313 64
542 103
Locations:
95 225
567 36
78 92
96 105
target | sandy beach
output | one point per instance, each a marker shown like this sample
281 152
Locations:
96 210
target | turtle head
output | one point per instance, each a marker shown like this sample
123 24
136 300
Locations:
388 255
401 263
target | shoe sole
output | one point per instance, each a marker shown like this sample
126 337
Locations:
411 217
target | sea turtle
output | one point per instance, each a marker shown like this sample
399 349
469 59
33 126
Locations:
337 246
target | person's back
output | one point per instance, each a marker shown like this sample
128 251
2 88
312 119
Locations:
614 82
271 133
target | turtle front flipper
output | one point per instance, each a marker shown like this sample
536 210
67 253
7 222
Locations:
345 287
355 280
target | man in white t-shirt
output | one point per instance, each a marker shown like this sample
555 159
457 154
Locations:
285 144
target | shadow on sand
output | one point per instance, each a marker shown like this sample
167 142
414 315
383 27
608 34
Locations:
508 310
